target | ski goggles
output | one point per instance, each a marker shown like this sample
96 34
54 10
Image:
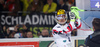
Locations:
59 17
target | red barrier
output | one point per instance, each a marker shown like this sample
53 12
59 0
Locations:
19 44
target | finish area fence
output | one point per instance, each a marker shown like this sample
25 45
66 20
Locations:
38 42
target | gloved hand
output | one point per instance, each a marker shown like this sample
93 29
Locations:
75 11
72 16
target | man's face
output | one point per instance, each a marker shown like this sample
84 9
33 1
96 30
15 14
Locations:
62 21
29 35
45 33
4 27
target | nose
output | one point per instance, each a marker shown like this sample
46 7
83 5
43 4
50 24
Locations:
62 19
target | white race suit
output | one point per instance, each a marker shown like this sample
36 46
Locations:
62 33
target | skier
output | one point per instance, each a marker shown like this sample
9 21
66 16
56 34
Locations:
62 30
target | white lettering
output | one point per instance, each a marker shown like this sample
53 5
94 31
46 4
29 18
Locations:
14 19
49 19
27 20
20 21
3 23
53 19
43 20
35 19
9 23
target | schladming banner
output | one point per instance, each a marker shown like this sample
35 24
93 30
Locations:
35 22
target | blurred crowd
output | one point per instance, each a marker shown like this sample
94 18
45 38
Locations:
33 6
23 7
21 31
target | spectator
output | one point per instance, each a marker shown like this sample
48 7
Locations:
26 5
22 27
45 33
56 1
11 35
23 33
13 6
62 5
1 6
49 7
2 35
71 3
8 33
16 28
4 31
93 40
38 34
50 34
12 32
25 29
35 6
18 35
4 28
29 34
44 2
